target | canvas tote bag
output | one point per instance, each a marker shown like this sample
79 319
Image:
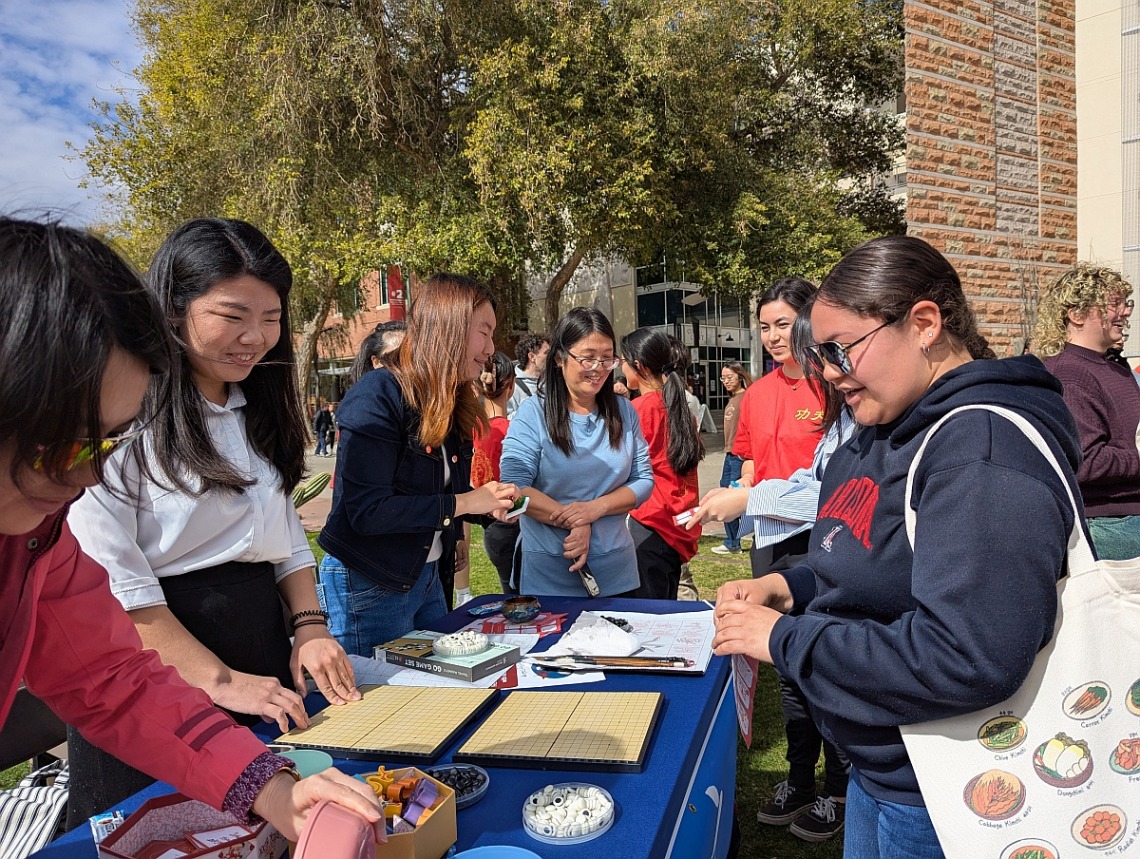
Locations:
1054 771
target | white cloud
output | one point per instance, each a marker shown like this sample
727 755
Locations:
56 58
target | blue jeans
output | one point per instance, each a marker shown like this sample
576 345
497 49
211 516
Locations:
1115 538
728 473
363 613
321 445
877 829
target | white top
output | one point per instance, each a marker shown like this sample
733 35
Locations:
151 532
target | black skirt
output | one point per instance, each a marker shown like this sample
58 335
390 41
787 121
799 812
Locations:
235 611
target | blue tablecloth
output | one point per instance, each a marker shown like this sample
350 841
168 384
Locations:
680 805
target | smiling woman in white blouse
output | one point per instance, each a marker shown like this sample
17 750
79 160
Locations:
196 526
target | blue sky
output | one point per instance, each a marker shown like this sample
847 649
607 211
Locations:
56 57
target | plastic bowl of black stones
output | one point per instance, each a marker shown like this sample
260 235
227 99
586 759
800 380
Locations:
568 813
468 781
521 609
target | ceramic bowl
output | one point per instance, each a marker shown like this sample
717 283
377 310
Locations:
309 761
521 609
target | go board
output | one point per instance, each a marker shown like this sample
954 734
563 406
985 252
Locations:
408 722
599 731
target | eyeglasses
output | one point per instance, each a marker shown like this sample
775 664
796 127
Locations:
83 451
588 364
837 354
1121 304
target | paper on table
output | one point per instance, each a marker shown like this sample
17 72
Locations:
593 635
685 634
526 675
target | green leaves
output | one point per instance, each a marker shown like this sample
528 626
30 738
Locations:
507 137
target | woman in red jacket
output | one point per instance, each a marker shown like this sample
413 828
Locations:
655 364
81 339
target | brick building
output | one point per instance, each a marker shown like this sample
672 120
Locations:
991 149
381 298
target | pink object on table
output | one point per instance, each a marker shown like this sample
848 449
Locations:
333 832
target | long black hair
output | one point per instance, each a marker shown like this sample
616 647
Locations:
656 353
884 278
66 300
578 324
194 258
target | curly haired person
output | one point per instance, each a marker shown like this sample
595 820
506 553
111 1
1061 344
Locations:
1082 315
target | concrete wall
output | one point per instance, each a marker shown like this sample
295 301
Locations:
1100 226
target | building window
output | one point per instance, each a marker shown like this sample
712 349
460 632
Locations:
651 309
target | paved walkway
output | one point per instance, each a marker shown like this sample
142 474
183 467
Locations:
314 513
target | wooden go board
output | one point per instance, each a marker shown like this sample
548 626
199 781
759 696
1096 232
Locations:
599 731
392 722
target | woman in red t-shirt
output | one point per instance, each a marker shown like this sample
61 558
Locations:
781 413
655 364
496 384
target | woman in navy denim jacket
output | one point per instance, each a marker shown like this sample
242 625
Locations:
394 535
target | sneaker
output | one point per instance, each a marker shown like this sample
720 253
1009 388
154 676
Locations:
787 805
724 550
821 823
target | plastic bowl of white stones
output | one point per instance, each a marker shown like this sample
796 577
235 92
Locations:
568 813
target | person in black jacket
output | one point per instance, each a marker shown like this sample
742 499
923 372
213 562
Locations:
322 424
878 634
395 533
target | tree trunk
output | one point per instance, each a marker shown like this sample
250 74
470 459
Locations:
308 337
556 286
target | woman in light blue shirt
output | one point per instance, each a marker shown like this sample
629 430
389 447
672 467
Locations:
576 450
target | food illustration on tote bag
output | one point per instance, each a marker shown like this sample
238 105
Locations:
1031 848
994 795
1087 701
1003 733
1126 757
1133 700
1063 761
1099 827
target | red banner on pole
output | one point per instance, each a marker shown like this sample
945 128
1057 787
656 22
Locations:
397 294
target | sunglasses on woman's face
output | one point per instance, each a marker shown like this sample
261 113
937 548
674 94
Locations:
83 451
835 353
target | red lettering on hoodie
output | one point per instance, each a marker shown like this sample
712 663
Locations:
854 503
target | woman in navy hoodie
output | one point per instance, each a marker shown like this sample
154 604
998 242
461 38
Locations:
875 634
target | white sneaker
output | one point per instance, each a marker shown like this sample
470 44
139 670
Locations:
724 550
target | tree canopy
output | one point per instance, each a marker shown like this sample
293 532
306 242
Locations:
510 138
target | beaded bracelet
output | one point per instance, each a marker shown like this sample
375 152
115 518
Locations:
309 612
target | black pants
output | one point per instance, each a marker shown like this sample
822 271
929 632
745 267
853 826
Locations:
235 611
779 556
804 741
500 539
658 564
